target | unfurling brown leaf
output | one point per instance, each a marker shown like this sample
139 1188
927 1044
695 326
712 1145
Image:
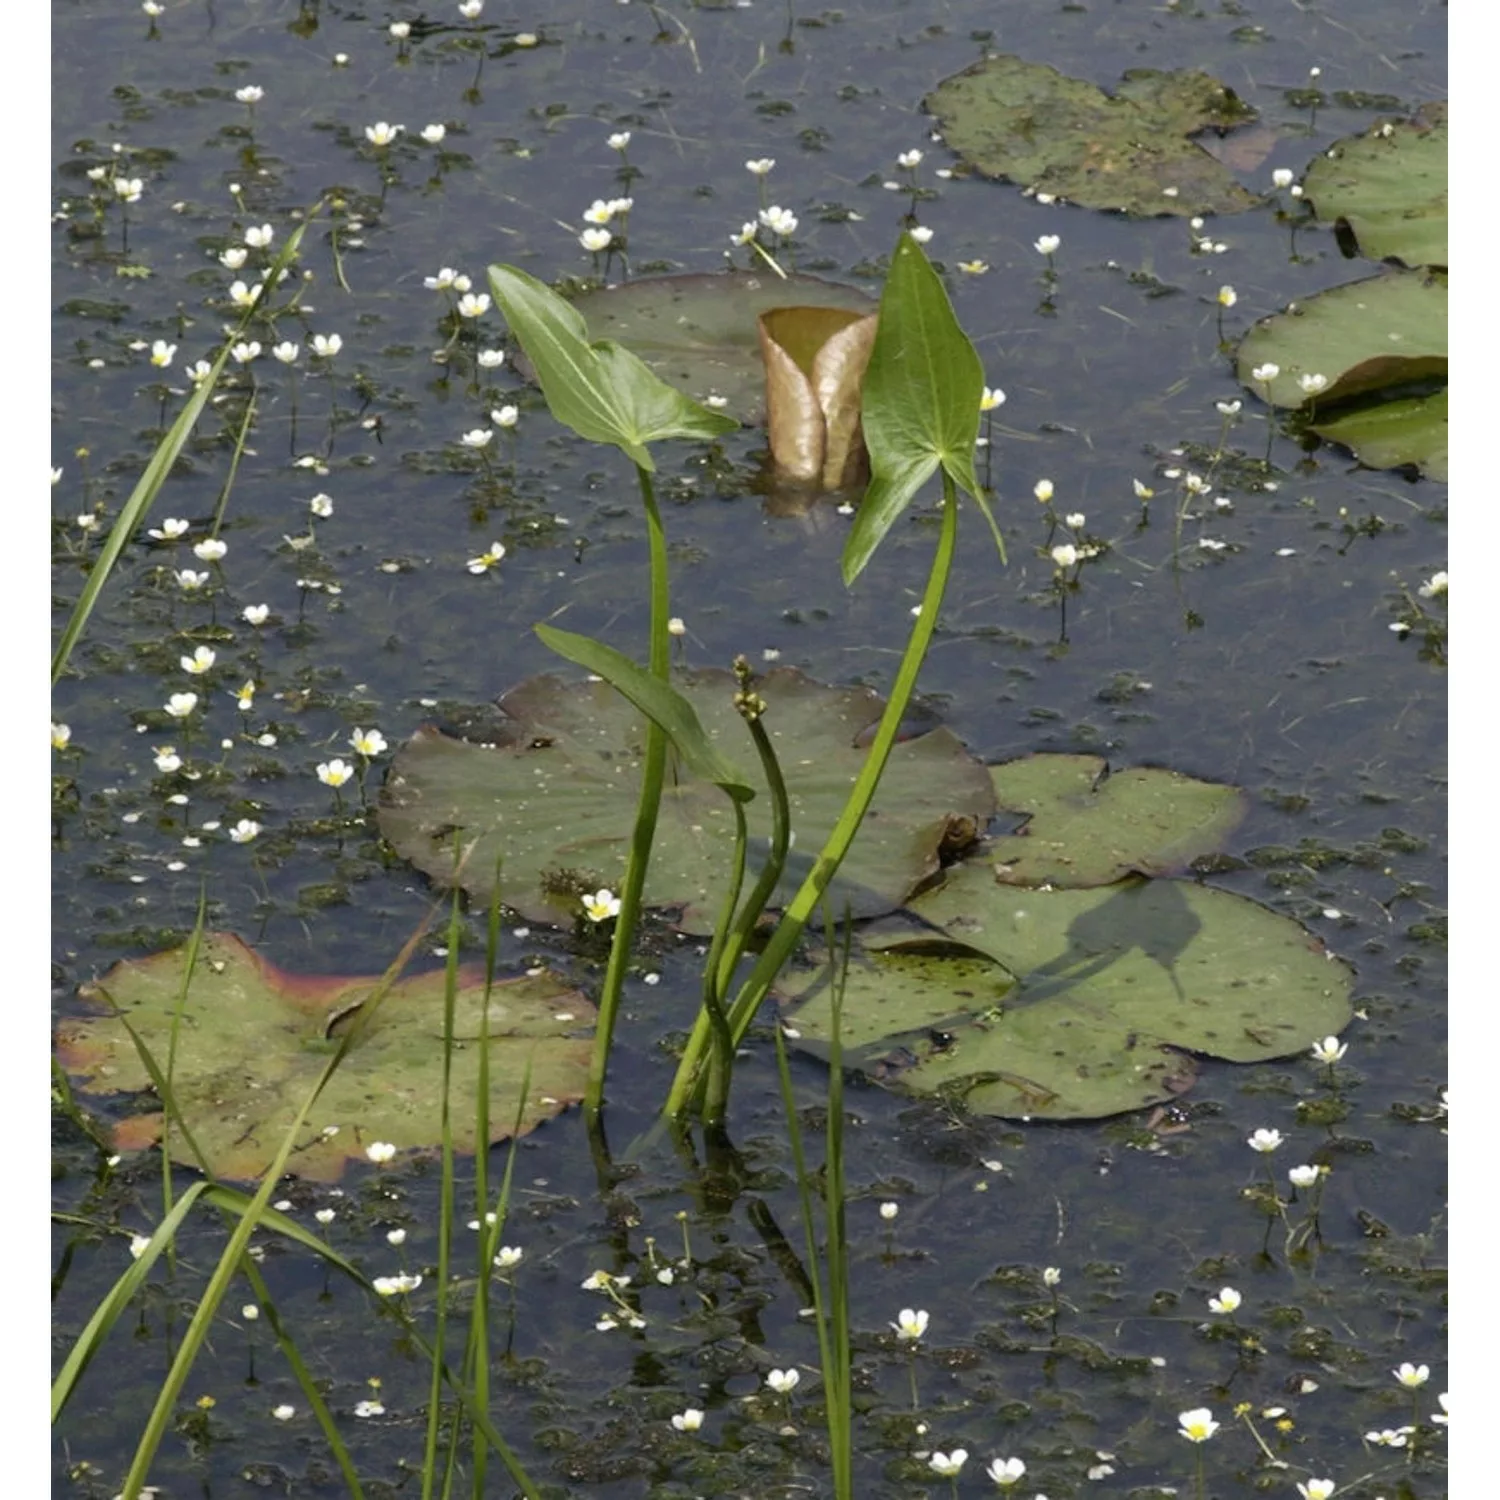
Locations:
815 361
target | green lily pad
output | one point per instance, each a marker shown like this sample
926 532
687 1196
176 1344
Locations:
699 332
252 1040
1129 151
1412 430
1086 827
1113 987
1387 189
553 794
1365 337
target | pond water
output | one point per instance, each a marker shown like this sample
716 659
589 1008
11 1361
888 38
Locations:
1265 659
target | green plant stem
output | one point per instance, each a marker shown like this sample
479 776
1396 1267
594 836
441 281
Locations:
687 1084
830 1307
731 939
653 774
445 1204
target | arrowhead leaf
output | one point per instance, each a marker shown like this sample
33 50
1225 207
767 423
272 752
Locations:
602 391
921 400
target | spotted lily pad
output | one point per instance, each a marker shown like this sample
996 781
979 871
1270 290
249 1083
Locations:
252 1040
1088 826
1130 150
552 792
1386 191
699 332
1074 1004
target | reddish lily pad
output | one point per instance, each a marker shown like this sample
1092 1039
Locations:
252 1039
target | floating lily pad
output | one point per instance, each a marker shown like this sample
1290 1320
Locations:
555 791
1113 987
699 332
252 1040
1381 343
1086 827
1413 430
1387 190
1029 123
1365 337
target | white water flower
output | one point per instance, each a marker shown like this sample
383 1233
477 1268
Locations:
381 134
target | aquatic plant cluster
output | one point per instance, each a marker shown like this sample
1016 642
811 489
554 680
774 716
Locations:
732 1269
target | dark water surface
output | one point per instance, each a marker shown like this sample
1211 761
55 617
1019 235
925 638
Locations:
1270 664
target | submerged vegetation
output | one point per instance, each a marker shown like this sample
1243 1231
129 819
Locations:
821 973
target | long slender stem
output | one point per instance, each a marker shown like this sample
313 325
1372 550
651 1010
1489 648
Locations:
653 774
789 930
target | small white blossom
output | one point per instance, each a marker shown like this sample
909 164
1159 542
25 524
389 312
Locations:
244 351
1436 587
368 742
909 158
286 352
948 1464
909 1325
779 220
601 906
380 1152
244 831
1412 1376
1282 177
595 240
1006 1471
487 560
199 662
760 165
161 353
1198 1425
325 346
210 549
1226 1302
478 437
473 304
180 705
1329 1050
433 134
1047 244
490 359
688 1421
1265 373
259 237
129 189
1312 384
251 93
335 773
382 134
619 140
1265 1140
1064 556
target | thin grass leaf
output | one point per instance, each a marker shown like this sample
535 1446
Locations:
117 1299
159 466
304 1378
